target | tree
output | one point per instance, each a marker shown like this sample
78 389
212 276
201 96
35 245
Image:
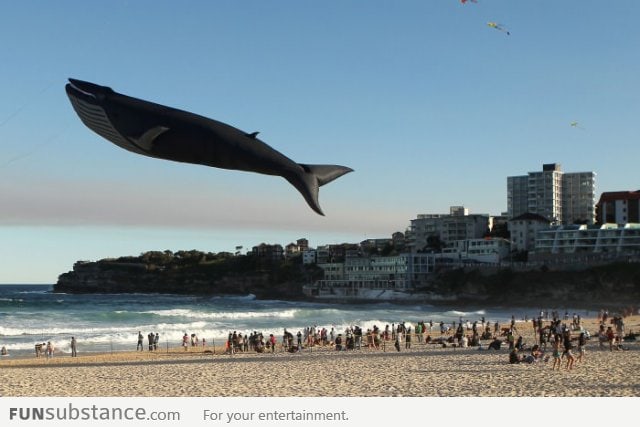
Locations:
434 243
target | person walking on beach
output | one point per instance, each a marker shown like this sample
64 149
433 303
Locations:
140 345
611 337
570 359
556 354
151 337
49 350
156 340
185 341
272 340
398 338
74 353
582 342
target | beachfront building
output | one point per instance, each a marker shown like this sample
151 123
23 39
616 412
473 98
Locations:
564 198
270 252
446 228
523 230
602 239
337 253
483 251
309 256
294 249
373 277
618 207
375 245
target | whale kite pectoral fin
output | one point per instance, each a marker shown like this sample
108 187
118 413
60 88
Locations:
145 141
311 177
252 135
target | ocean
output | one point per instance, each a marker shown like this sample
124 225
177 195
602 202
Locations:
31 314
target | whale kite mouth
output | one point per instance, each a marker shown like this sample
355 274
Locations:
73 84
88 100
87 91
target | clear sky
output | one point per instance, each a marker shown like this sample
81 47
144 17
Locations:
427 103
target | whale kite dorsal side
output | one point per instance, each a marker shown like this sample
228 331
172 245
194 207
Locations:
252 135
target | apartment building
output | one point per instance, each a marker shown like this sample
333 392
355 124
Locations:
618 207
606 238
563 198
448 228
523 230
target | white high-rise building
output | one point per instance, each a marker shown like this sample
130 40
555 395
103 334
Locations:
562 198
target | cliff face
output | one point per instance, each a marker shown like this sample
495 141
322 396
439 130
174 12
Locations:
196 275
615 284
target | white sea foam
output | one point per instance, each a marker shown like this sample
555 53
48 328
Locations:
223 314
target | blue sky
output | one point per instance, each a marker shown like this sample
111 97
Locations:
429 105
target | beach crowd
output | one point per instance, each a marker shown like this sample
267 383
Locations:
556 338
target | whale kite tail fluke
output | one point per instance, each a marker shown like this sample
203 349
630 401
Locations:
312 177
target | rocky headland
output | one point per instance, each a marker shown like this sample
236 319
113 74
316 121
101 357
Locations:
199 273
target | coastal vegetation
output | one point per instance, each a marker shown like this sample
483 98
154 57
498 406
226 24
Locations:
190 272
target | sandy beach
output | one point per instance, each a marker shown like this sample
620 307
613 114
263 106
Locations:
423 370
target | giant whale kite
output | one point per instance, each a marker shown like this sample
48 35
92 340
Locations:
167 133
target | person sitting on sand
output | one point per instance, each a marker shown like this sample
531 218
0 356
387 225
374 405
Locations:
338 342
495 344
259 345
514 357
464 341
535 356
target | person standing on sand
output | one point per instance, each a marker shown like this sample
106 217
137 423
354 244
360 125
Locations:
272 340
49 350
556 354
140 342
570 359
582 342
156 340
74 353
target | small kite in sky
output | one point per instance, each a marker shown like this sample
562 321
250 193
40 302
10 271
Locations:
472 1
576 125
498 27
154 130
